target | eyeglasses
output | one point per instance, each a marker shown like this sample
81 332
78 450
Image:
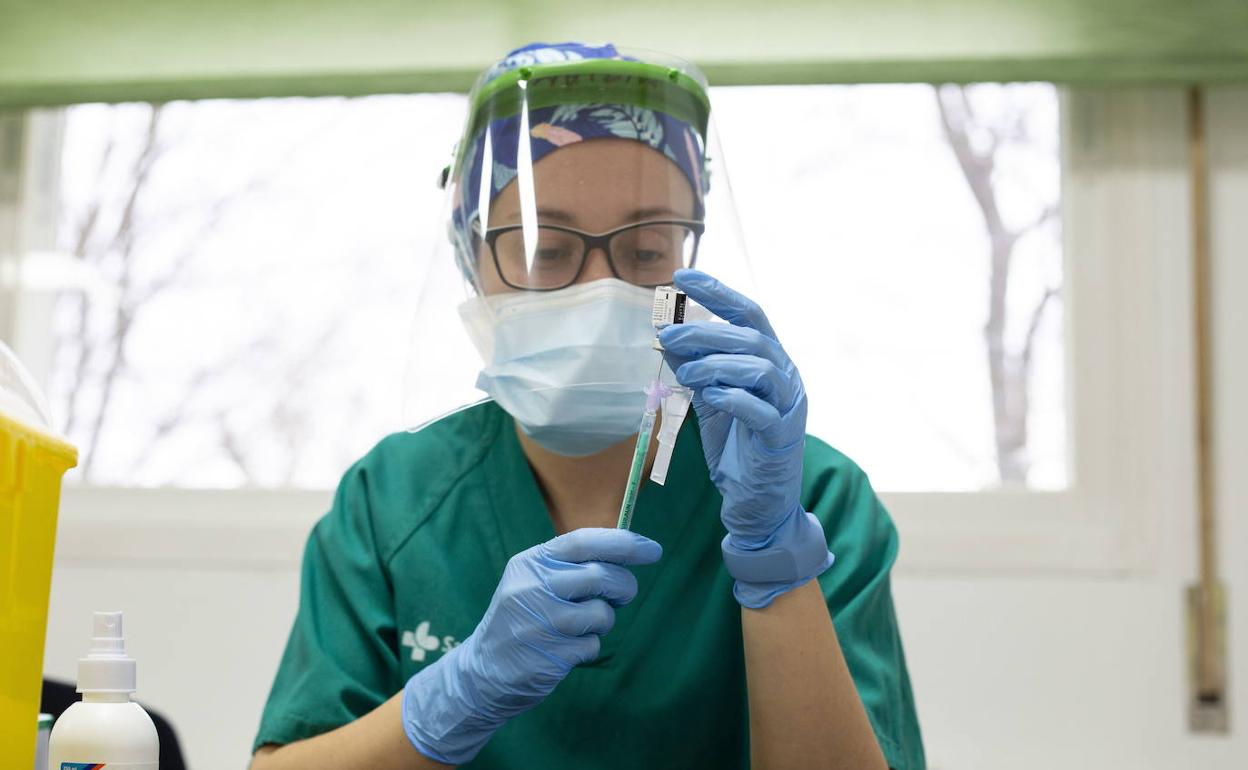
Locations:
645 253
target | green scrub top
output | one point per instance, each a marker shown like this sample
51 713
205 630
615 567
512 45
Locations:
405 564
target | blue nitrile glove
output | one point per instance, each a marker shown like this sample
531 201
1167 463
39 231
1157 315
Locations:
551 605
751 409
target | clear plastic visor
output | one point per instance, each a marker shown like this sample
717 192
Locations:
577 189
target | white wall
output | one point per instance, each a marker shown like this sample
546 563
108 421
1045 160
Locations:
1010 670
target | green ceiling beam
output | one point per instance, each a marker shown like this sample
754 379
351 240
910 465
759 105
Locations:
64 51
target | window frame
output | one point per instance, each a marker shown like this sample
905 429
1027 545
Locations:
1125 198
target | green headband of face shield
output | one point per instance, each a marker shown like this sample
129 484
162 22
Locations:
676 89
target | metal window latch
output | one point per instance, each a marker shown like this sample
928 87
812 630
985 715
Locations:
1207 709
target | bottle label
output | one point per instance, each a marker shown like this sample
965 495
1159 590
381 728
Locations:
109 766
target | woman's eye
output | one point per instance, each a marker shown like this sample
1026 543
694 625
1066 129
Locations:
648 255
550 255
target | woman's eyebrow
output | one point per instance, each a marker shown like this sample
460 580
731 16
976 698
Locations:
657 211
559 215
545 214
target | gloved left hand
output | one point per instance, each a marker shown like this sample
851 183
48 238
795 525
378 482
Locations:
552 604
751 409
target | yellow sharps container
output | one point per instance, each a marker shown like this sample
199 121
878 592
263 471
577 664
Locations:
32 460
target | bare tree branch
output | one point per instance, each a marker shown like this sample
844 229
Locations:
82 239
174 418
233 448
200 382
1033 326
956 117
287 425
101 365
1009 373
1049 213
212 221
124 238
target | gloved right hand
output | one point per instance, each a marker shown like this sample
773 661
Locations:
551 606
751 408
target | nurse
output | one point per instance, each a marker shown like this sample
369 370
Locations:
468 601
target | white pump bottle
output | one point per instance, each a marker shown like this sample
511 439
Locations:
105 728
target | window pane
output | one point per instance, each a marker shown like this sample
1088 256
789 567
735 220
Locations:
876 260
254 265
258 307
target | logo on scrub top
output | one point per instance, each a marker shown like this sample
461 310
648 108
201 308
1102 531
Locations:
422 642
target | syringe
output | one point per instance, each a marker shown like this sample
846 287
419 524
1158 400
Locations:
655 393
671 306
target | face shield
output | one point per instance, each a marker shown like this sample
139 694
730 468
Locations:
585 177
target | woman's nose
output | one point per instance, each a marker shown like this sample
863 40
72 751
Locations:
596 266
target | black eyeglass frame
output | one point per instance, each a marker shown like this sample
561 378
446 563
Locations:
590 241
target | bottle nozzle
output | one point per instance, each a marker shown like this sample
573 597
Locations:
106 668
107 636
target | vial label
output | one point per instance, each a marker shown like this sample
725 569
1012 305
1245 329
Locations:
669 307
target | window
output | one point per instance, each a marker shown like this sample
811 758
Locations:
244 275
936 361
273 352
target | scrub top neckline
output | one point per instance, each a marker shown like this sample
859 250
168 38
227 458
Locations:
664 513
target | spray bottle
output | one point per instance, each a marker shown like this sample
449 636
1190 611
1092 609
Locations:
105 729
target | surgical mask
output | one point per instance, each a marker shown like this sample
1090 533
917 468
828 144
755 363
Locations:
569 365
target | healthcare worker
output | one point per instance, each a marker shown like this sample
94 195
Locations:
468 599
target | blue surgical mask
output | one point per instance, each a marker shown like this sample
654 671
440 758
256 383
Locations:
569 365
